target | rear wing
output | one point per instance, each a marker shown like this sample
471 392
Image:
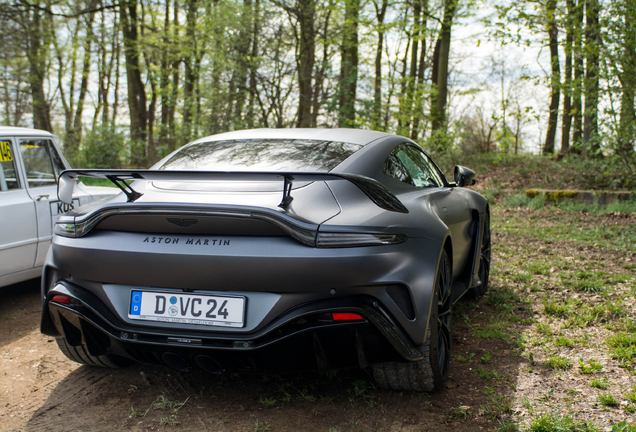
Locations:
377 192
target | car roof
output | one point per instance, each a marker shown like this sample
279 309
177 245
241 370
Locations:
20 131
353 136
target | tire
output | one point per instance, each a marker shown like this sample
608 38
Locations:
484 261
429 373
79 354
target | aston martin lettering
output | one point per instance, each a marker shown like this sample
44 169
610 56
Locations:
189 241
165 240
210 242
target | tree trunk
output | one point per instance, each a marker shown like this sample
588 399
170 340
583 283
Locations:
164 79
380 12
253 65
172 106
627 129
321 73
74 134
579 72
440 63
410 84
306 14
243 62
555 77
136 90
591 87
419 90
190 73
349 64
567 81
37 55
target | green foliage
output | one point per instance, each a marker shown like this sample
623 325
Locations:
558 362
607 400
624 426
602 384
591 367
623 347
486 374
103 148
555 423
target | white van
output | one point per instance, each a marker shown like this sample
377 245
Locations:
31 163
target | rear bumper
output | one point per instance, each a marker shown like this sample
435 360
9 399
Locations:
298 340
276 275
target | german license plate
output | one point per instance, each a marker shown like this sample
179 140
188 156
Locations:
208 310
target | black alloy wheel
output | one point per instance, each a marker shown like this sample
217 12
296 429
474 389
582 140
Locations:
429 373
444 316
484 260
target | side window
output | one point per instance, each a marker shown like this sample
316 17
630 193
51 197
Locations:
422 173
425 165
8 173
38 163
394 168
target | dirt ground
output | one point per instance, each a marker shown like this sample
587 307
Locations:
41 390
495 382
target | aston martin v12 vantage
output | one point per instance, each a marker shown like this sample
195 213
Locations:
269 250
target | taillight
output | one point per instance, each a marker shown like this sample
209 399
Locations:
346 317
331 240
61 299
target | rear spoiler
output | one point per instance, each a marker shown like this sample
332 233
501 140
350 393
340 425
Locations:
373 189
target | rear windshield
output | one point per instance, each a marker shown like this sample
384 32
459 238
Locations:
261 155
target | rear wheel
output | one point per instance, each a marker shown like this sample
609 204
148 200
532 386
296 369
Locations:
484 260
80 354
429 373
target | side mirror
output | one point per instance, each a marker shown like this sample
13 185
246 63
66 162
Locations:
464 176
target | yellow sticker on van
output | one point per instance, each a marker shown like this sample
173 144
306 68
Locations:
5 151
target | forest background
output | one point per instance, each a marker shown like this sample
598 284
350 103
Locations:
125 82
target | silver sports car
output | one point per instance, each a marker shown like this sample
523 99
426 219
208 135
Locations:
271 250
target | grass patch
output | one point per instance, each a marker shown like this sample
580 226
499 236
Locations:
563 341
607 400
558 362
554 423
601 384
487 375
623 347
591 367
557 309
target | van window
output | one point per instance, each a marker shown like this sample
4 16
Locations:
8 173
40 168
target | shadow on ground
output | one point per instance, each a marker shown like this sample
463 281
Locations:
478 395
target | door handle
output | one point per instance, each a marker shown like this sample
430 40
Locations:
41 197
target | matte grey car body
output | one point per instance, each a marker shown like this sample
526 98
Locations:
353 259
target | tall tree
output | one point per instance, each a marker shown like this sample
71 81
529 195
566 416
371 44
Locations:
627 78
579 74
73 134
349 64
380 13
566 122
137 109
304 12
37 36
439 76
591 86
555 76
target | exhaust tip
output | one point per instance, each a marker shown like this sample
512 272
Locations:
209 365
175 361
